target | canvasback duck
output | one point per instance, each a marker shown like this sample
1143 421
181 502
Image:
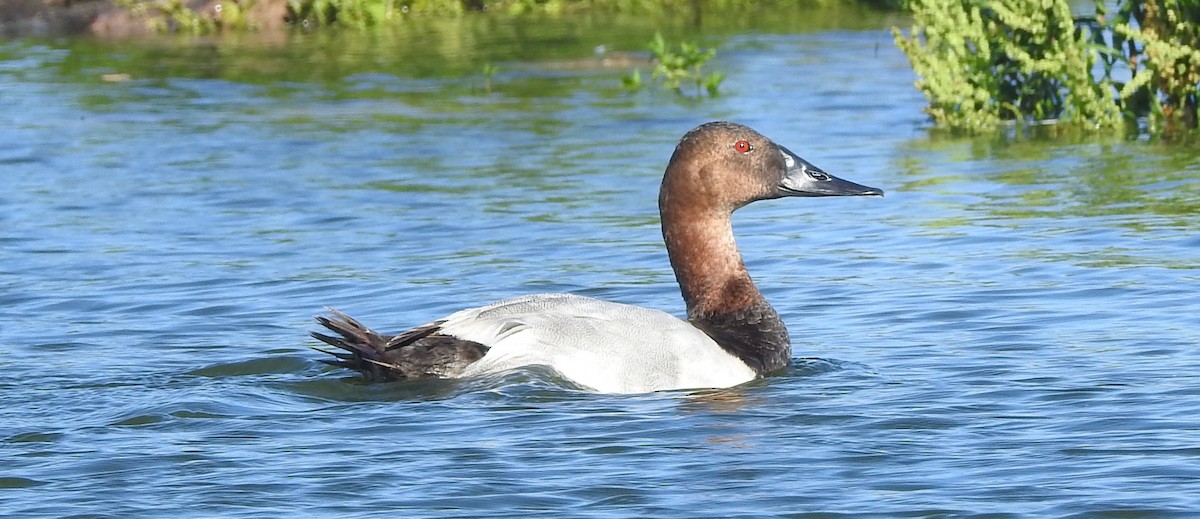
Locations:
731 335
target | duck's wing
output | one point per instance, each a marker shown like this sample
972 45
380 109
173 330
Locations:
605 346
609 347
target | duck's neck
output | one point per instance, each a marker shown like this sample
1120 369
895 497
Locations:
721 298
707 264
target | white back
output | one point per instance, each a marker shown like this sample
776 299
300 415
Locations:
609 347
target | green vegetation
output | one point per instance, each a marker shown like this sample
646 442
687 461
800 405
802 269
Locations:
352 13
1165 58
362 13
983 63
675 68
173 15
489 71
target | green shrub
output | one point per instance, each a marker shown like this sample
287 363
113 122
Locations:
174 16
982 63
1162 50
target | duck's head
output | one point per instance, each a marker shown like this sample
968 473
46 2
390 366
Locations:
724 165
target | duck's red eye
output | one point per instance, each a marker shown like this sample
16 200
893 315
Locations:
743 146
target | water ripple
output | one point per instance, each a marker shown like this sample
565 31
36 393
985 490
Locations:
1009 333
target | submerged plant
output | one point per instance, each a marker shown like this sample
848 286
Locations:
489 70
677 67
634 80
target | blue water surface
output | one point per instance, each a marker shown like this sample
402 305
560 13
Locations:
1011 332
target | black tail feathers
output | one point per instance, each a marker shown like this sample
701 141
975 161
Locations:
416 353
363 347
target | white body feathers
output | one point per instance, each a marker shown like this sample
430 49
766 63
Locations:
608 347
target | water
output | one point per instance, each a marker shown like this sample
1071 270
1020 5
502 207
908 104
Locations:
1010 332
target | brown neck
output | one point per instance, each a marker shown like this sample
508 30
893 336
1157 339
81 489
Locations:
722 300
707 264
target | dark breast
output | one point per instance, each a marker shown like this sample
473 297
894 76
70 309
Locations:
755 334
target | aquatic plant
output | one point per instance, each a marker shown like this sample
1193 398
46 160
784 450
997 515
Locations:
1162 43
678 66
982 63
489 71
633 81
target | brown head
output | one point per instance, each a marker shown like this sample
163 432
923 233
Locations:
717 168
722 166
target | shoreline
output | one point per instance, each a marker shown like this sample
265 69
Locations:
105 19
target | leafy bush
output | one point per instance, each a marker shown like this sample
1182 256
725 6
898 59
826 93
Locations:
174 16
1162 43
984 62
